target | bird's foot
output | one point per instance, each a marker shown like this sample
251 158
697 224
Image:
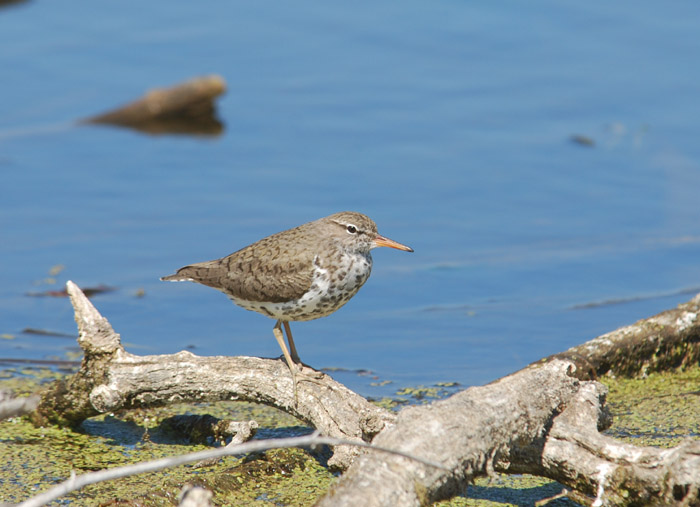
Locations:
303 373
308 374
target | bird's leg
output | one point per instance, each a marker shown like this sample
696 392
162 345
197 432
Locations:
292 348
279 335
277 331
295 356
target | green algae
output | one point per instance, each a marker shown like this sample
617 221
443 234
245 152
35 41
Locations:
659 410
426 394
33 459
417 394
392 404
280 477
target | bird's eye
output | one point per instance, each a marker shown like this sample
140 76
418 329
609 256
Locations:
351 229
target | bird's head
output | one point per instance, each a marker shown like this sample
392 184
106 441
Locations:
358 232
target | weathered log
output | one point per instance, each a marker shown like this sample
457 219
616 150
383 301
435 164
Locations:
186 108
468 433
665 341
613 472
111 379
542 420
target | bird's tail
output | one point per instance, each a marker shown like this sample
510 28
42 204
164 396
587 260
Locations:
201 272
180 276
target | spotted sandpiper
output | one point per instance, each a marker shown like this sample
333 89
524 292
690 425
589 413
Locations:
299 274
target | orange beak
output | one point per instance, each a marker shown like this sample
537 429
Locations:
382 241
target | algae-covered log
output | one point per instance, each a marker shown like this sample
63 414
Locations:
665 341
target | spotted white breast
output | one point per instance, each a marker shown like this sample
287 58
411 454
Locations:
332 286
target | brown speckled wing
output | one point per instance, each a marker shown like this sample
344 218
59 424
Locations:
275 269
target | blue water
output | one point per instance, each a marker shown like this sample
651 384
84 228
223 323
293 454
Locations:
449 123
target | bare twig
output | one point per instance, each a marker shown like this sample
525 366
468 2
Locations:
75 482
562 494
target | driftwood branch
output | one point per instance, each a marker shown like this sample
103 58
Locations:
111 379
469 433
612 472
665 341
541 421
187 108
77 482
544 420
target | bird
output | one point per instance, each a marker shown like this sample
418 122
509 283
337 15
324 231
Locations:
299 274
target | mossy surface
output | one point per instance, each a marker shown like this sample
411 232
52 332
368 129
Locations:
34 459
659 410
